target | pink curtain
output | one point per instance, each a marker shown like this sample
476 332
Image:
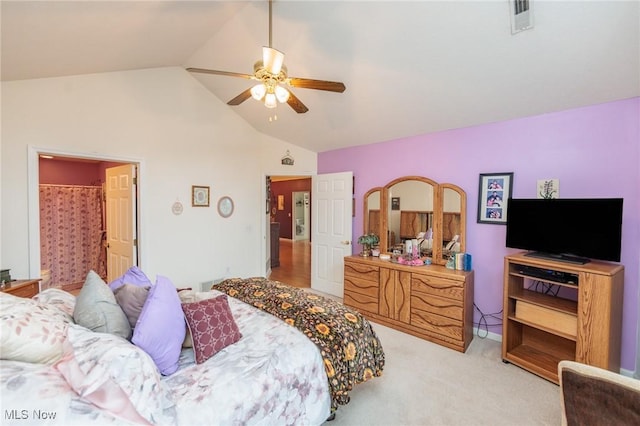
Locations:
71 231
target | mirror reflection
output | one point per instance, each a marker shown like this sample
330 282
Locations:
451 230
372 217
410 211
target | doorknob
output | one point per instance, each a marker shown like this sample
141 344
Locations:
345 242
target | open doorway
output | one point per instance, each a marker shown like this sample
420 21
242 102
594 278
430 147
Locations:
291 258
59 174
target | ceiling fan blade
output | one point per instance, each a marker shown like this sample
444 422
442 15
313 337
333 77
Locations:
240 98
296 104
227 73
306 83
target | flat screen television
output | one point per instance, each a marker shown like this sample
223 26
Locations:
566 229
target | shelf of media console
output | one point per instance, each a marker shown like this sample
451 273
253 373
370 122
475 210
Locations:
544 279
554 303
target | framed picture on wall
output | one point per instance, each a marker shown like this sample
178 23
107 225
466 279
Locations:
199 196
493 197
395 203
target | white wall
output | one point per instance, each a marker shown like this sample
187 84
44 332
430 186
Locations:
183 136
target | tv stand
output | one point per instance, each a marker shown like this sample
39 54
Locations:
582 322
568 258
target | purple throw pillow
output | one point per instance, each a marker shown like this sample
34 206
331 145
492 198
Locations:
134 276
160 329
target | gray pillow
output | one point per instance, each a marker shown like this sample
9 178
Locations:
131 299
97 309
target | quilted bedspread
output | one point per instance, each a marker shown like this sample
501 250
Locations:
350 349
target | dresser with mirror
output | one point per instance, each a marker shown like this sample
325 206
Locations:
428 301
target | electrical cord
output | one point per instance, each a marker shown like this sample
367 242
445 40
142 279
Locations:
484 323
544 287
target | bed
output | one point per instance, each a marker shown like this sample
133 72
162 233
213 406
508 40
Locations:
294 360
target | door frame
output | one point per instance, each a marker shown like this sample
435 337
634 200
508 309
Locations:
33 198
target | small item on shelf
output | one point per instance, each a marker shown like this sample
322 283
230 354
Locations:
368 241
410 261
385 256
5 275
451 263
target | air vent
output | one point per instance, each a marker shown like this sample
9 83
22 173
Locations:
521 15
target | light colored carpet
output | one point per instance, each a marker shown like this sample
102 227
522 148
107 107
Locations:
427 384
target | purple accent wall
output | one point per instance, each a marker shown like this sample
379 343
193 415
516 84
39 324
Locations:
594 151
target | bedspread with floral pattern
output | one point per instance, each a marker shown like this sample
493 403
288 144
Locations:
350 349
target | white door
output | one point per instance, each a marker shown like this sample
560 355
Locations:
331 224
121 220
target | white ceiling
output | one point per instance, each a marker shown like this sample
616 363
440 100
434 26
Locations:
409 67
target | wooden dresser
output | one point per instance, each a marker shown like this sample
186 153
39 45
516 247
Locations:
430 302
23 288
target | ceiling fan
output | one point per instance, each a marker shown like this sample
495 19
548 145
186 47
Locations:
272 76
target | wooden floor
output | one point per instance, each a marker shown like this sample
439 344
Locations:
295 263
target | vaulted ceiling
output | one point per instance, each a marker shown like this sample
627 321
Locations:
409 67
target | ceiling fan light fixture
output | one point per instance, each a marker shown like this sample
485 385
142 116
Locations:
270 73
270 100
272 60
258 91
282 94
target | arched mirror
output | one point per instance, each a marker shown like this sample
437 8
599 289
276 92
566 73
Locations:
372 213
409 210
454 207
413 206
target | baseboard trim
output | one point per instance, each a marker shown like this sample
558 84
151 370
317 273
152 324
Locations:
487 335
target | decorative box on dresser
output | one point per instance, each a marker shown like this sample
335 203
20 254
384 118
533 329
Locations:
23 288
581 322
430 302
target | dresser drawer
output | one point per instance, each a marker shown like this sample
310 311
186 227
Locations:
363 272
442 287
434 323
360 285
450 308
361 302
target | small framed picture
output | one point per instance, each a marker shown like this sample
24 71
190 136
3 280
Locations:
199 196
493 197
395 203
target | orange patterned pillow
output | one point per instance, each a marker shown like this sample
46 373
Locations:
212 326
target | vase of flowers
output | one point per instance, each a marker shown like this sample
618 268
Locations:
368 241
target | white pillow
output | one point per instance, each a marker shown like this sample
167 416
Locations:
30 332
60 299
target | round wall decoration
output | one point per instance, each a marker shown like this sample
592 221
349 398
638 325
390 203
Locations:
225 206
177 208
